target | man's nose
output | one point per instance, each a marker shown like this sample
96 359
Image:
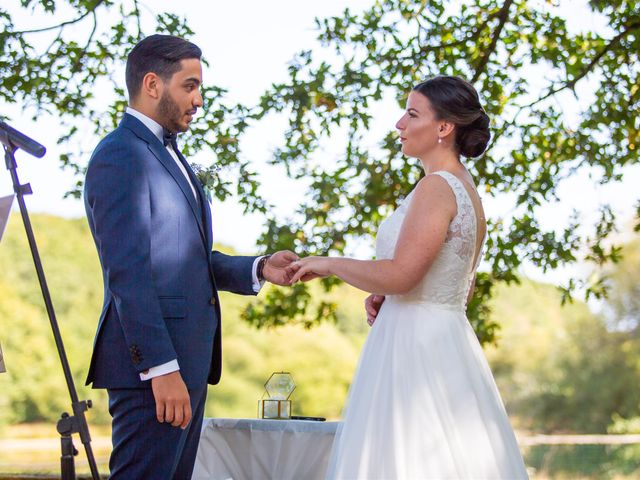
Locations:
197 99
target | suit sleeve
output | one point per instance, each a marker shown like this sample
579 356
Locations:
233 273
117 195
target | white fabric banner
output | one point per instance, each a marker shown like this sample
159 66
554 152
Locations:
5 210
2 366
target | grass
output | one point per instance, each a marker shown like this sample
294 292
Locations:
602 462
35 449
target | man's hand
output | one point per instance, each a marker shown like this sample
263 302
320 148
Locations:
372 306
172 399
278 267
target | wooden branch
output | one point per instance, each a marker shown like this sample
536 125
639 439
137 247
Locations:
473 36
76 64
585 71
136 9
503 16
61 25
55 40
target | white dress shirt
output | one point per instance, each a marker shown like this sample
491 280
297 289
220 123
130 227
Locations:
158 131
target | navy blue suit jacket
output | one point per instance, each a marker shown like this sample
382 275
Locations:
161 278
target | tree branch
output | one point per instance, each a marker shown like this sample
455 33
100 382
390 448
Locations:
136 9
55 40
456 43
503 16
78 61
61 25
585 71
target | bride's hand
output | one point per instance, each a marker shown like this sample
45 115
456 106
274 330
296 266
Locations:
309 268
372 306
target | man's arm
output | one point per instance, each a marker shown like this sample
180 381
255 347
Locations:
239 274
233 273
117 194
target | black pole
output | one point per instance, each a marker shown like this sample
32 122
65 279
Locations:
77 423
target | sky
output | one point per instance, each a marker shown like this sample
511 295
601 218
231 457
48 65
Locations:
249 44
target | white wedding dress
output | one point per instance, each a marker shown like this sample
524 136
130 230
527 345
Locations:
423 403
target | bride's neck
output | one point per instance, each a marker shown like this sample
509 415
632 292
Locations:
444 160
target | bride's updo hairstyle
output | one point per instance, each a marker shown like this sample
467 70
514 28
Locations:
455 100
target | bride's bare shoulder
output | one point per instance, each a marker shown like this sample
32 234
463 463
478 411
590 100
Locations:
433 183
434 191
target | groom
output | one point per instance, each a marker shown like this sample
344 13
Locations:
158 339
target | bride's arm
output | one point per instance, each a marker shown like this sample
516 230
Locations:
423 232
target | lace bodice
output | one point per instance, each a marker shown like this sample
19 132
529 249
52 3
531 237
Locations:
449 278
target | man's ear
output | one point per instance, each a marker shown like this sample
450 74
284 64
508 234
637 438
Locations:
152 86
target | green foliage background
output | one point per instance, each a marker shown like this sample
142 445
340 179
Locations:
559 369
564 102
321 360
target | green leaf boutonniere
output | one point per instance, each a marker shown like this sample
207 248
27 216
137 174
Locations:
208 178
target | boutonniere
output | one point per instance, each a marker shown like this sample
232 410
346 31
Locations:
208 178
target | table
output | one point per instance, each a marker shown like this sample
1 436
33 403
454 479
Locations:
257 449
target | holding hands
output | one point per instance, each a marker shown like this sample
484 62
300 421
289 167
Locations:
279 269
311 267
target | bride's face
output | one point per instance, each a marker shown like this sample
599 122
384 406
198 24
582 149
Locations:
418 127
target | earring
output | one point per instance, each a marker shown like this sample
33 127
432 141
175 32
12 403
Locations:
439 139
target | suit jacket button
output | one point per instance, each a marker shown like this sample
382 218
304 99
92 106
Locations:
212 301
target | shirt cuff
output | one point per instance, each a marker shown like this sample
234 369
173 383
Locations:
257 284
163 369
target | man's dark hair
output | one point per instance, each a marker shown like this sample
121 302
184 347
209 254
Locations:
160 54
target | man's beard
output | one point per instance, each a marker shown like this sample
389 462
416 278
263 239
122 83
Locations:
170 113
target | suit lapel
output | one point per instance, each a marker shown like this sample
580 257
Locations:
206 219
164 157
205 210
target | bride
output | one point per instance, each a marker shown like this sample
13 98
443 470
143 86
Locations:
423 402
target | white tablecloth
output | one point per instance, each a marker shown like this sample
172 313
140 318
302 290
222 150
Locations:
242 449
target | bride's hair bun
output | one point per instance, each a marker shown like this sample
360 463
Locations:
472 139
456 101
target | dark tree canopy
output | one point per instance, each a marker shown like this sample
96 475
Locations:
520 55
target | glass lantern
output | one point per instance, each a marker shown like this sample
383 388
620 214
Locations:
278 390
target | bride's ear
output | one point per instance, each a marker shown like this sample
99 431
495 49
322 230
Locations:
445 129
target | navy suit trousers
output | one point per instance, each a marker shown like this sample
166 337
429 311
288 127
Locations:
143 448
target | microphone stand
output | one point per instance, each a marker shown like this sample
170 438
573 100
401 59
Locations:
76 423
